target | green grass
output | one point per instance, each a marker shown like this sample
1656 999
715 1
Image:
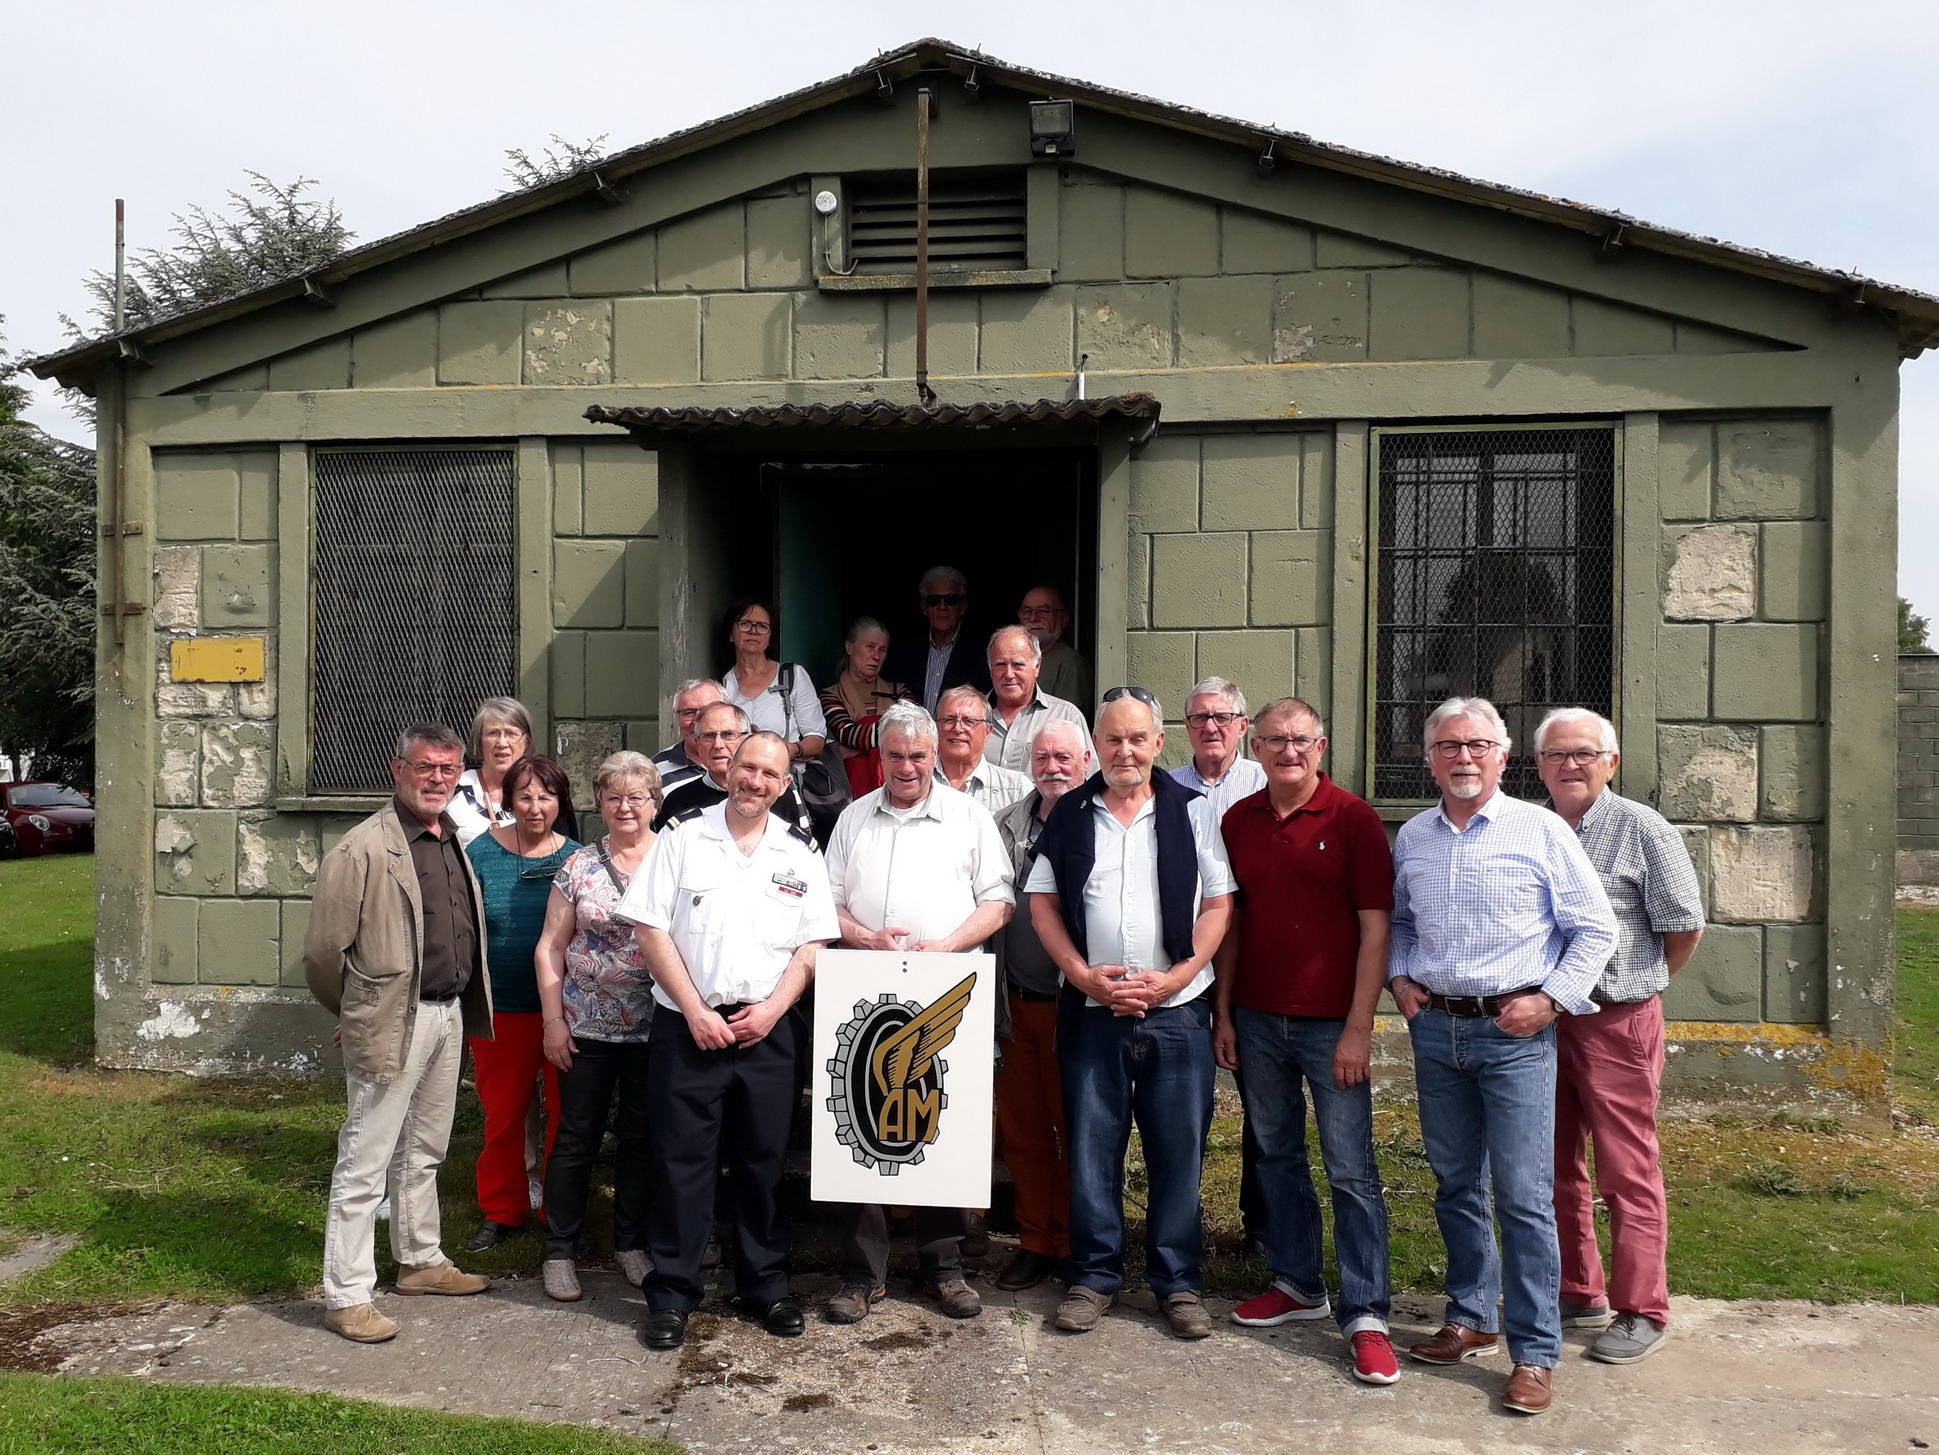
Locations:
1915 1046
117 1415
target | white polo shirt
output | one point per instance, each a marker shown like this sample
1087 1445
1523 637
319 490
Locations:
1121 924
735 918
925 869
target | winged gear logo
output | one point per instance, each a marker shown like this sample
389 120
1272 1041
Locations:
887 1076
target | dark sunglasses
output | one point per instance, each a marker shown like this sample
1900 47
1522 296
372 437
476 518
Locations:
1138 692
945 598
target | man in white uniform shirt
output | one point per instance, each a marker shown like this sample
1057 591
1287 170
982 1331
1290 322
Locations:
730 908
1130 895
915 865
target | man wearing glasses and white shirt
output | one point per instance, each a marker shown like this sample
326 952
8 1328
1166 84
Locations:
1500 925
1216 722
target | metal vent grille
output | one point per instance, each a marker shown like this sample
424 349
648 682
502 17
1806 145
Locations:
1496 580
976 223
415 602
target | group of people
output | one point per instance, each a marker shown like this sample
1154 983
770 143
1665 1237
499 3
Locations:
1148 927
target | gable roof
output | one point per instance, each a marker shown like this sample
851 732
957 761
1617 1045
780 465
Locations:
1917 313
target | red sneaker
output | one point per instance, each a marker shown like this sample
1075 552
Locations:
1276 1306
1373 1358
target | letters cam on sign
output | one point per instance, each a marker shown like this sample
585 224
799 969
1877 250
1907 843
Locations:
904 1057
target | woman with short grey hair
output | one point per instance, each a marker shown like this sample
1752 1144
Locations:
852 704
501 734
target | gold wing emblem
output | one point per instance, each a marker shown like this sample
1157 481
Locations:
903 1057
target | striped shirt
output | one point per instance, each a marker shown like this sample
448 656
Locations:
1510 902
1652 886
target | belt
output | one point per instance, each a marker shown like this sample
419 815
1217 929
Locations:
1477 1005
440 999
1022 992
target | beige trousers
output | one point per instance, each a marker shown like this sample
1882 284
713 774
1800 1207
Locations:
394 1137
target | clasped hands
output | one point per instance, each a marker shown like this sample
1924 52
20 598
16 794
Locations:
713 1031
1126 991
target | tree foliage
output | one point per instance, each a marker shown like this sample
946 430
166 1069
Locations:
1912 630
561 159
47 593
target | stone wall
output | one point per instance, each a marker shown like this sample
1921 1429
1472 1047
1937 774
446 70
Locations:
1918 769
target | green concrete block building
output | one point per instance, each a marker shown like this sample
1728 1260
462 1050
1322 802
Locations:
1263 407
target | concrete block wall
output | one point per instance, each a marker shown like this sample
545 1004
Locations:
1918 856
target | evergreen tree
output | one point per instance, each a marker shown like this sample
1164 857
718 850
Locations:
1912 630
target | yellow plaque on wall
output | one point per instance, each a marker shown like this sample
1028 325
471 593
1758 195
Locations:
217 659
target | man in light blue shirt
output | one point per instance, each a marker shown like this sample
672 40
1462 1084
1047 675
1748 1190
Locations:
1500 925
1216 722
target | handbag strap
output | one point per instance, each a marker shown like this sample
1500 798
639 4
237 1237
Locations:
784 679
612 869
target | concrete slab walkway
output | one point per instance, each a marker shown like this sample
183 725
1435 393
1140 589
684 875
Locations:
1763 1377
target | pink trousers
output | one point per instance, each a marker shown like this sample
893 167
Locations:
1608 1074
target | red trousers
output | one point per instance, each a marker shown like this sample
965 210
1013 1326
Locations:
1030 1114
1608 1074
508 1074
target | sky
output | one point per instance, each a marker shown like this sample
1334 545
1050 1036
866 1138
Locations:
1787 126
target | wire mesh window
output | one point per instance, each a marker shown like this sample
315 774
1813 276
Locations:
1496 580
977 222
415 614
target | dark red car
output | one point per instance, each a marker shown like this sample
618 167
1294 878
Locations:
48 816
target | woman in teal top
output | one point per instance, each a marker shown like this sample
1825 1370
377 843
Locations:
516 864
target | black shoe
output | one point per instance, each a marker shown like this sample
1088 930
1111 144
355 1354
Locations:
491 1235
782 1318
1027 1270
665 1328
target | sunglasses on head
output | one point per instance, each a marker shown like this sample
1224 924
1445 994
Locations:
943 598
1138 692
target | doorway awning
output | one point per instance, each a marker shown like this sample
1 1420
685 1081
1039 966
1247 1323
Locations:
880 414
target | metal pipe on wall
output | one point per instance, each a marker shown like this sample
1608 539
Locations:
923 391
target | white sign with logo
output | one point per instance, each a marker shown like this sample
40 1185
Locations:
904 1060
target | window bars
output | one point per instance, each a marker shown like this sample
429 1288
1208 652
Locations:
1497 580
415 603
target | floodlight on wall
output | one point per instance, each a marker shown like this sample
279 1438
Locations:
1050 128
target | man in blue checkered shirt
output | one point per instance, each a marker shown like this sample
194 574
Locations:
1500 925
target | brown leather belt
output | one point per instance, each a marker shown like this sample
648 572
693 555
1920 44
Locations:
1478 1006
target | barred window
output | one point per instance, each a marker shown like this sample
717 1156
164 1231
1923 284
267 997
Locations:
415 604
1496 580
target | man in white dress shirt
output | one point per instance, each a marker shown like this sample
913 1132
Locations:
915 865
1216 722
1130 894
729 909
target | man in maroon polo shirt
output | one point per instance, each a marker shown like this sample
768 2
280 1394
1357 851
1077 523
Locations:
1299 973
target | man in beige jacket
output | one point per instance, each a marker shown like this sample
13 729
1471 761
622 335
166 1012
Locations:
394 952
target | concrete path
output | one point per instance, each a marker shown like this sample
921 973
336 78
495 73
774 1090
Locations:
1762 1377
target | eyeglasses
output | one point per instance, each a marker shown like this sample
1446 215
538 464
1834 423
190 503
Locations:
435 770
731 735
1452 748
1036 613
1223 719
969 722
1279 742
634 801
943 598
1138 692
752 627
1579 757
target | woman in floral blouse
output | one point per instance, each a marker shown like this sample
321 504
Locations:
597 999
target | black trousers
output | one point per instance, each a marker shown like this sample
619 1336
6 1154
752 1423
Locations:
865 1249
599 1068
713 1106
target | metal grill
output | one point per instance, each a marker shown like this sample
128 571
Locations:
415 602
1496 580
976 223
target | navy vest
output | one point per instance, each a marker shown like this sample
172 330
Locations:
1069 842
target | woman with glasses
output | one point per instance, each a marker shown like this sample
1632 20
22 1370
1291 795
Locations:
852 705
597 999
501 734
776 695
515 864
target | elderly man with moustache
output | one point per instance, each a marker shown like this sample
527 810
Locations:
1029 1088
1500 926
1018 709
686 760
730 909
1065 673
948 654
915 865
1130 894
393 951
720 728
962 728
1609 1066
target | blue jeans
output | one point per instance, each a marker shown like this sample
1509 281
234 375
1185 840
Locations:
1281 1056
1157 1071
1488 1117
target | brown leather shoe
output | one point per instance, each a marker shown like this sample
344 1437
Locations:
360 1323
441 1278
1454 1343
958 1299
852 1304
1529 1389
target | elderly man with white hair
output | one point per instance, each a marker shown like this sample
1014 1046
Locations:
1216 723
1500 925
915 865
1018 709
686 759
1609 1067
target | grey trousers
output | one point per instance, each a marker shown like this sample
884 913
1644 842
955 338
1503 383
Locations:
865 1248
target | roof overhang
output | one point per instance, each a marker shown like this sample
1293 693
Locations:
796 421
